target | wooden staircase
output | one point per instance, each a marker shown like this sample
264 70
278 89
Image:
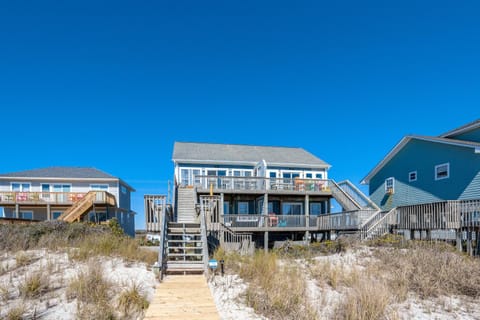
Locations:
85 204
184 252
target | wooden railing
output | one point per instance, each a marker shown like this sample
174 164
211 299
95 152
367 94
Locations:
263 221
380 224
10 197
260 183
347 220
358 196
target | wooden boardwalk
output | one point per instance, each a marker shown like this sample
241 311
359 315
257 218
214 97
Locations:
183 297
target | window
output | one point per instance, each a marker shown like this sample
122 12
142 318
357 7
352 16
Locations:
319 176
56 214
20 187
273 174
123 189
442 171
243 207
292 208
308 176
99 187
226 207
316 208
26 215
412 176
390 185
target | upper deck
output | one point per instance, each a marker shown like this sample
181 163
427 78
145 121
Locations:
254 185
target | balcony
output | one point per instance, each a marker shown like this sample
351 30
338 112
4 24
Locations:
256 184
258 222
53 198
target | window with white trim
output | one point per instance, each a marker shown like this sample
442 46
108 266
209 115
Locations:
27 215
412 176
390 185
20 186
99 187
123 189
442 171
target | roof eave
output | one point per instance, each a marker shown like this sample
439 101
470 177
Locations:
402 143
252 163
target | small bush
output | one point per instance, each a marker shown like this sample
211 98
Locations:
366 300
34 285
22 259
132 301
93 293
16 313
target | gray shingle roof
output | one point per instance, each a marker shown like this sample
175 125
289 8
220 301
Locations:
61 172
244 154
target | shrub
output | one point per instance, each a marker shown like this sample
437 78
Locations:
34 285
132 301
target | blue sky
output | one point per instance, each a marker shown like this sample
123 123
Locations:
112 84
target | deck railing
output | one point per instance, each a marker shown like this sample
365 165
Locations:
11 197
260 183
357 195
347 220
263 221
440 215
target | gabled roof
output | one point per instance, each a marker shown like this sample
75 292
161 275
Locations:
463 129
407 139
212 153
74 173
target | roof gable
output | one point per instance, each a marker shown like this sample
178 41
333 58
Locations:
190 152
399 146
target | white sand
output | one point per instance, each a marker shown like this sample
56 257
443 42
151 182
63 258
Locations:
60 270
228 291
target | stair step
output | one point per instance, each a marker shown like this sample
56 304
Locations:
185 254
184 241
184 264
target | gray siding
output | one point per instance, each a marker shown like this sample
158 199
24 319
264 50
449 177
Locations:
423 156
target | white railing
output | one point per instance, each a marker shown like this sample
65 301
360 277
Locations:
381 224
264 221
343 198
347 220
358 196
260 183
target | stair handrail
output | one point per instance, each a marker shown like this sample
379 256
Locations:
359 193
345 194
164 220
203 230
89 197
366 231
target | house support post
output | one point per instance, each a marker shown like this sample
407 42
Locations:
469 242
429 234
307 218
222 232
412 234
477 242
49 213
17 211
265 241
267 222
459 239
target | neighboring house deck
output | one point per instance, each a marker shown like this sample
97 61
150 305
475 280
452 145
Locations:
52 193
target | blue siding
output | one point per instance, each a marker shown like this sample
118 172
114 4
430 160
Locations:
473 135
423 156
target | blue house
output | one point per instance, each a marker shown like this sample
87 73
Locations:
425 169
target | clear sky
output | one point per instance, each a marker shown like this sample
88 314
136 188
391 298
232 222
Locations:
112 84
